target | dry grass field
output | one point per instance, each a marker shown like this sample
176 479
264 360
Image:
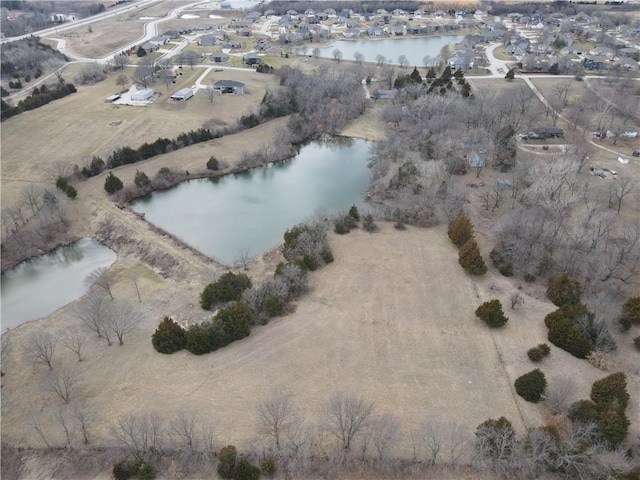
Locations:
75 128
391 319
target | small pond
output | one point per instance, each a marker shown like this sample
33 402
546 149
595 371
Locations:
42 285
249 212
414 48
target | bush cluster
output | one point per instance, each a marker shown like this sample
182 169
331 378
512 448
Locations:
461 234
492 314
228 288
38 98
140 470
531 386
630 313
94 168
63 184
230 467
606 408
307 245
538 352
346 223
229 324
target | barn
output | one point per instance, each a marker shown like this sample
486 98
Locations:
183 94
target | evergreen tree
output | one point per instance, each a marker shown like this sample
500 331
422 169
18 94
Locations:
431 73
460 230
141 179
415 76
568 336
169 337
510 74
112 183
470 258
563 290
227 288
227 459
492 314
610 392
613 426
630 313
531 386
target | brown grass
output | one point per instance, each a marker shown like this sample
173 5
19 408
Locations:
391 319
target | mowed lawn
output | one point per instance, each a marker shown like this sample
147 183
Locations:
392 320
75 128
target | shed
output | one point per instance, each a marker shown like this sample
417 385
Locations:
142 95
229 86
183 94
112 98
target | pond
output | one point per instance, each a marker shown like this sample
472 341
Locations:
42 285
227 216
414 48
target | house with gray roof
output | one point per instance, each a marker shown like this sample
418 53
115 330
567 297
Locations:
228 87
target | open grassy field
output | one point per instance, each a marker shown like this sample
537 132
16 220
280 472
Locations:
391 319
75 128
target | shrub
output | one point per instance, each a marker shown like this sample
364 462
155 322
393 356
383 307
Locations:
62 183
213 163
630 313
340 227
568 335
569 312
327 255
94 168
537 353
531 386
227 288
491 313
227 461
353 213
145 471
197 340
112 183
529 278
273 305
636 343
460 230
169 337
230 323
123 470
368 224
141 179
613 426
563 290
507 270
583 411
610 392
470 258
496 438
268 466
164 172
245 470
71 192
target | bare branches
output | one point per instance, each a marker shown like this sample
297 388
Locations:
276 415
100 278
91 311
347 415
39 348
73 339
84 416
384 431
140 433
62 382
121 319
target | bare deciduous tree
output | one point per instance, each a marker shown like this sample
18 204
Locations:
121 319
62 381
100 278
91 310
121 61
84 416
37 426
558 394
140 433
32 196
276 415
73 339
618 191
62 418
39 348
516 299
122 80
347 415
243 259
384 431
184 431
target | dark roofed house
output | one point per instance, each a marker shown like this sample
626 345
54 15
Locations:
593 62
232 44
385 95
219 57
549 132
251 59
229 87
171 34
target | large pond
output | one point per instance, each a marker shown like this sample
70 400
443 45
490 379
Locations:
414 48
248 212
42 285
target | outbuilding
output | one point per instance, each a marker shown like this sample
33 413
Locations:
183 94
142 95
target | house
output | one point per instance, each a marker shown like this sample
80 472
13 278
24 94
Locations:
628 52
232 44
549 132
229 86
461 63
182 95
602 52
475 160
243 32
351 33
63 17
385 95
594 62
171 34
150 47
628 64
143 95
219 57
519 47
159 41
251 59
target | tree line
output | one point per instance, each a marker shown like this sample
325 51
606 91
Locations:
38 98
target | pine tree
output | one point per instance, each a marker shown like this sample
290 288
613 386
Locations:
492 314
460 229
112 183
510 74
531 386
470 258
